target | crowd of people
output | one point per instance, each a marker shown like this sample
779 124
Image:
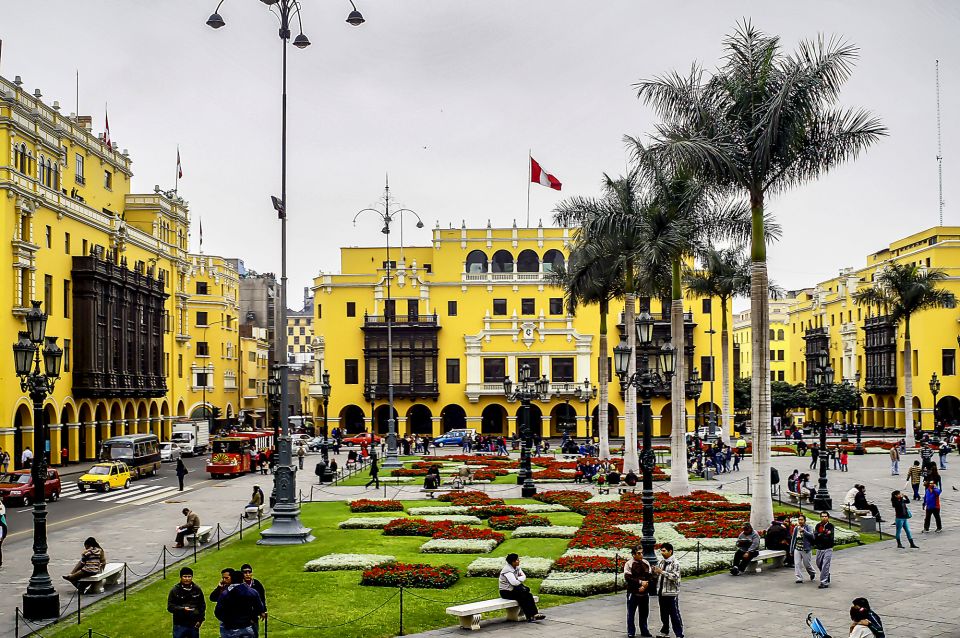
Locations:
241 603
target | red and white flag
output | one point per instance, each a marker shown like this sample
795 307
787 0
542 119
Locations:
179 170
542 177
106 136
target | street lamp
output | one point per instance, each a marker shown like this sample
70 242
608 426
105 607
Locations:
935 390
823 379
645 380
585 392
695 383
41 600
858 449
527 389
386 216
287 528
325 391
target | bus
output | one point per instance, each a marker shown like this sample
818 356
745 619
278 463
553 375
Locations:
231 453
141 453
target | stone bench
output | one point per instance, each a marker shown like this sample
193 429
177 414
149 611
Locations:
432 491
253 511
470 613
864 517
109 576
798 497
777 556
201 536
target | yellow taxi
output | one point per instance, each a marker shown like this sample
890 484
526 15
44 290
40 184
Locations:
105 477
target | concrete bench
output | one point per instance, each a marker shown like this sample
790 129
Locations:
798 497
201 536
469 614
253 511
109 576
776 556
864 517
431 492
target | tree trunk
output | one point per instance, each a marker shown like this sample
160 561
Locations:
761 504
725 412
908 438
630 459
602 382
679 477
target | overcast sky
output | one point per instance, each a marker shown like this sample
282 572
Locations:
447 96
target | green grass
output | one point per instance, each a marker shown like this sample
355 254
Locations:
318 599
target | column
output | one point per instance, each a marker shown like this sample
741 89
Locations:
53 431
511 425
401 426
27 442
167 425
436 423
105 430
156 427
583 429
73 443
6 443
91 449
120 427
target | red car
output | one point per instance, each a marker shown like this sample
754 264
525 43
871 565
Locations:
363 438
17 487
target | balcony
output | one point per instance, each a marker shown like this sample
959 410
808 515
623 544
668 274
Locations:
428 389
401 321
503 277
880 385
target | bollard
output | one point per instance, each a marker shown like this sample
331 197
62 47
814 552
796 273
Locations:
748 486
164 562
401 611
16 623
90 633
241 527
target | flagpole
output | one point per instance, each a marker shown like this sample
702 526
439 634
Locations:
176 175
529 179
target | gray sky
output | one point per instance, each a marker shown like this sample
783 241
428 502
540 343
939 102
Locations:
448 96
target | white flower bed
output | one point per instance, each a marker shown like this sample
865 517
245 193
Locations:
442 510
604 498
532 566
843 536
399 479
552 531
367 522
542 508
623 553
579 583
709 561
336 562
458 546
455 519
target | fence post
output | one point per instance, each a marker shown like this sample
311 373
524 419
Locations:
164 562
748 486
79 596
218 535
401 610
196 541
698 557
266 627
124 580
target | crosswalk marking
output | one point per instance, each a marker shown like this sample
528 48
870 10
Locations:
136 494
157 496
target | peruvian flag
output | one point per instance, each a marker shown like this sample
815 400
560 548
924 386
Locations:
179 170
542 177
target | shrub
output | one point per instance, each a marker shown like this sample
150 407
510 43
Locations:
486 511
458 546
414 527
550 531
367 522
533 566
411 575
368 505
579 584
513 522
408 472
469 498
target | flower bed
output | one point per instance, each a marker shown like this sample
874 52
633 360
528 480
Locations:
533 567
603 537
469 498
552 531
337 562
369 505
368 522
601 564
403 471
513 522
579 583
536 508
411 575
464 532
488 474
442 510
456 519
571 499
486 511
783 448
458 546
414 527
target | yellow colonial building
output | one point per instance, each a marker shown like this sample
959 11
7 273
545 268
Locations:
467 310
780 337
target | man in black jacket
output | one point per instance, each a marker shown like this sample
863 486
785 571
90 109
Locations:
187 605
237 606
823 539
246 571
777 538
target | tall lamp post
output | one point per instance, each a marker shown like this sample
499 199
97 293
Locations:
386 215
527 389
273 396
645 380
41 600
287 528
858 449
325 391
935 390
823 379
695 383
585 392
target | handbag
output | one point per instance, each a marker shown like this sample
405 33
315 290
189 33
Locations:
909 513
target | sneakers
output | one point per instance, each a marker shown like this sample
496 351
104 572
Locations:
812 575
536 618
799 581
939 529
822 586
734 571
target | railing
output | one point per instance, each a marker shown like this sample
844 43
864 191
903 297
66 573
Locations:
406 389
490 277
398 320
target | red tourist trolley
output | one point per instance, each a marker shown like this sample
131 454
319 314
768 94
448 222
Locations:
231 454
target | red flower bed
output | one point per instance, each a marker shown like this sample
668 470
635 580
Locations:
886 445
469 498
783 448
466 532
712 529
411 575
513 522
486 511
367 505
488 474
408 472
424 465
609 537
572 499
553 473
588 564
415 527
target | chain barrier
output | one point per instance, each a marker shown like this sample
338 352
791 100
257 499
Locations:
343 624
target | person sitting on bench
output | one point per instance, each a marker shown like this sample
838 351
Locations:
190 527
748 546
512 588
92 561
631 479
860 502
613 477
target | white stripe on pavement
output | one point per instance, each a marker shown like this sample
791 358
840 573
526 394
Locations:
152 498
125 493
98 496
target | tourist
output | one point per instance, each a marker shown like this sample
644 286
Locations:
859 628
901 514
631 478
26 459
944 451
801 447
185 601
374 473
872 619
512 588
238 605
823 540
931 504
914 477
777 538
814 455
856 499
803 483
668 592
256 499
181 472
933 475
800 543
636 573
190 527
894 461
792 482
3 529
246 572
844 459
835 457
92 561
748 546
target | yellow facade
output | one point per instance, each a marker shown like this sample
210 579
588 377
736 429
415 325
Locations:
254 371
780 339
470 307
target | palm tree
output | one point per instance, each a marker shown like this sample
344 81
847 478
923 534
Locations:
763 122
904 290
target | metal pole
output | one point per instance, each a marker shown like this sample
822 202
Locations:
392 461
713 375
647 463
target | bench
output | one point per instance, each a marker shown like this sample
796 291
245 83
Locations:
777 556
109 576
469 614
253 511
798 497
433 491
864 517
201 536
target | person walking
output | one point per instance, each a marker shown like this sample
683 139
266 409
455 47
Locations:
237 607
300 455
190 527
181 472
374 473
512 588
800 543
636 573
3 529
902 515
814 455
931 503
92 561
894 461
246 572
914 478
944 451
26 459
844 459
668 592
188 606
748 546
823 540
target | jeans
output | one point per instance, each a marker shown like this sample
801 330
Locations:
824 558
916 491
904 524
524 598
935 513
185 632
894 468
670 613
243 632
943 461
637 603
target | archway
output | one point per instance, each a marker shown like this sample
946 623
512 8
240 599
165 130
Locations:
67 418
528 261
419 420
201 411
901 420
502 261
22 419
563 419
143 418
84 417
352 420
948 410
154 426
703 415
917 411
868 413
889 413
536 419
453 417
382 418
666 421
613 421
181 409
476 262
553 260
130 419
493 419
102 428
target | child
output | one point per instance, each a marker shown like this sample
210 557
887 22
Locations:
843 460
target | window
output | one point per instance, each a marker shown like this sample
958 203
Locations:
108 180
556 305
772 335
428 268
251 384
706 306
499 306
201 287
351 309
66 243
201 379
66 355
780 375
203 349
84 248
949 362
494 370
251 356
319 312
179 366
779 355
350 375
413 308
706 368
780 335
561 369
527 307
773 376
79 172
303 331
451 308
49 237
48 294
66 298
390 308
201 318
453 370
533 363
773 355
296 341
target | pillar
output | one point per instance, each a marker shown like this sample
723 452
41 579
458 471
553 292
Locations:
156 427
91 449
6 442
511 425
53 431
583 430
435 426
27 442
120 427
402 426
73 442
167 426
105 431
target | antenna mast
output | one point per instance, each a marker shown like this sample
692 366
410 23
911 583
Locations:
939 146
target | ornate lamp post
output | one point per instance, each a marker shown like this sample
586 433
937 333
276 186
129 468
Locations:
585 392
858 449
273 396
645 381
935 390
695 384
528 389
823 379
325 391
41 600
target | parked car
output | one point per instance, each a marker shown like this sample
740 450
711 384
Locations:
454 437
299 440
17 487
105 477
169 451
316 443
363 437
